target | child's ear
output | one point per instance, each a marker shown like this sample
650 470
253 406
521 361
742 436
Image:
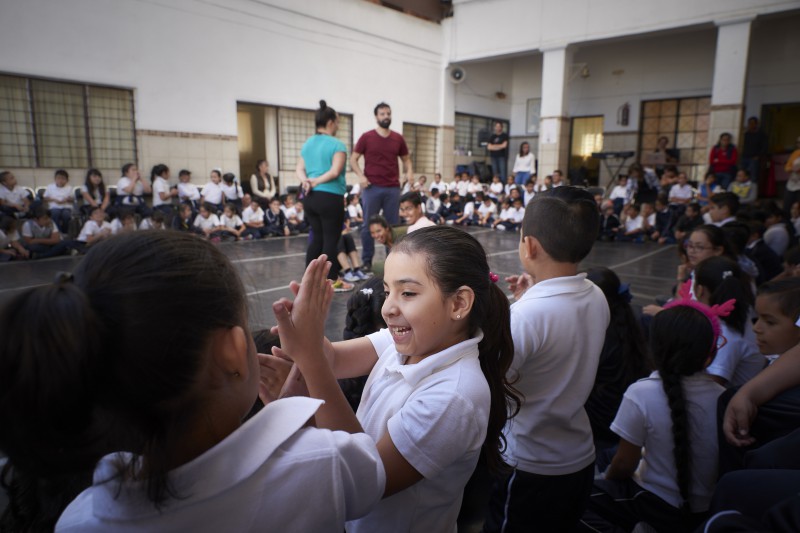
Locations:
229 349
530 247
463 299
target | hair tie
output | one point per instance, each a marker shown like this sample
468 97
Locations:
711 313
366 291
62 278
727 274
493 277
624 292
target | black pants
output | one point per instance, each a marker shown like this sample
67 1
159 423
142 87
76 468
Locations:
524 502
325 214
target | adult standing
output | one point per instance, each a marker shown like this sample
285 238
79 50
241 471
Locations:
262 184
498 149
321 171
754 149
792 193
722 160
523 165
380 179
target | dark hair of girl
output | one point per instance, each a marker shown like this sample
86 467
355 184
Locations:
680 338
521 154
90 187
157 171
364 310
717 239
455 259
323 115
624 326
129 333
126 167
726 281
263 184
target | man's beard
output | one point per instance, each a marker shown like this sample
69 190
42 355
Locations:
385 123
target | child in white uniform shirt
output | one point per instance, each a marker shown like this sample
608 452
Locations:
162 193
94 230
14 199
188 191
669 414
94 192
131 189
212 191
231 190
436 375
173 399
550 443
717 280
207 221
58 196
252 218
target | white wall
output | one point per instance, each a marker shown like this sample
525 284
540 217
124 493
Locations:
189 62
477 93
514 26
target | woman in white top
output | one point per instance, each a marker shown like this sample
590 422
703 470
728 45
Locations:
157 372
162 193
262 184
523 164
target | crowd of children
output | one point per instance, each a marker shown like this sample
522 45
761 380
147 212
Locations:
599 431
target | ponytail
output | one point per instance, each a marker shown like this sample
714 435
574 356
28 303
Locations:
157 171
679 339
496 353
323 115
456 259
726 281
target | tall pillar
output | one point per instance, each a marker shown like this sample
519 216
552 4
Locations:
446 140
730 76
554 122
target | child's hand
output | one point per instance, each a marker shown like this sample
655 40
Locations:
273 370
740 413
519 284
301 324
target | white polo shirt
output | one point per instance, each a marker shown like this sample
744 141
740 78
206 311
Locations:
212 192
252 213
740 359
644 420
559 327
92 228
138 190
160 185
188 191
59 197
436 412
271 474
423 222
206 223
17 195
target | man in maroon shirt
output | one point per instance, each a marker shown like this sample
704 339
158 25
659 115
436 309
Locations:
380 179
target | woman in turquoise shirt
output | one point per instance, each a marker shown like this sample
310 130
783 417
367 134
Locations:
321 171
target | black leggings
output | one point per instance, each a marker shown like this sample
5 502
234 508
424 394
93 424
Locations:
325 214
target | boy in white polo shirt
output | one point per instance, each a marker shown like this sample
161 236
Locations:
558 326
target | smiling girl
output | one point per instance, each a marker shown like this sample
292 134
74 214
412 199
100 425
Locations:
436 396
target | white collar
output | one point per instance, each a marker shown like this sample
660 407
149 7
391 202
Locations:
415 373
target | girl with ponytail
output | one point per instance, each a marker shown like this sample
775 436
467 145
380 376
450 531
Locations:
160 415
717 280
437 396
671 415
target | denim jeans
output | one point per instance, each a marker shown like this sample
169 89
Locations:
375 199
499 167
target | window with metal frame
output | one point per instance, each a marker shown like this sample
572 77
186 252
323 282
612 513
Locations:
422 142
467 129
297 125
46 123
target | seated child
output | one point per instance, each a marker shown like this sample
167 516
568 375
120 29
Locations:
487 212
231 223
124 223
94 230
295 215
60 200
432 205
746 190
355 214
504 217
777 234
609 223
207 220
212 192
14 200
275 220
496 188
184 220
162 192
691 219
681 193
253 218
411 211
10 245
155 221
94 192
465 211
529 192
41 237
716 281
188 191
347 255
767 261
667 416
633 226
663 223
231 190
131 189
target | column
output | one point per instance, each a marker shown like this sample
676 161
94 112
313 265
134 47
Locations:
446 140
730 76
554 122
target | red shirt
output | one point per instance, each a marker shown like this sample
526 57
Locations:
380 157
721 160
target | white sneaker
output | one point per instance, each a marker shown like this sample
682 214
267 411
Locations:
350 277
360 275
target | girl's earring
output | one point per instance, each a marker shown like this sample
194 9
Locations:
458 317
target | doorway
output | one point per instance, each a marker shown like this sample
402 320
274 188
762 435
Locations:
586 137
257 127
781 123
